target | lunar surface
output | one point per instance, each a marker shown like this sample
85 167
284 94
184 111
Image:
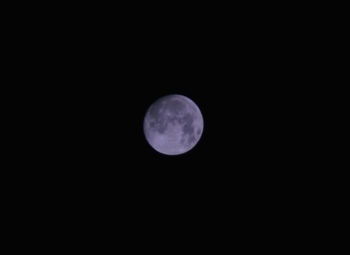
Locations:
173 125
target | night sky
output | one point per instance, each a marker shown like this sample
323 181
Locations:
244 72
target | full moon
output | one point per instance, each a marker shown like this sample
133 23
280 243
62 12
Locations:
173 125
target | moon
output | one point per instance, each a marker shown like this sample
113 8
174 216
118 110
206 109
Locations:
173 124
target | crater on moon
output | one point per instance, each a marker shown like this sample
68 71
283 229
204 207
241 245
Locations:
173 124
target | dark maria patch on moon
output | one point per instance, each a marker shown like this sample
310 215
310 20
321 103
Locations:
153 111
182 141
161 125
175 106
152 124
156 110
187 119
188 124
191 139
174 120
188 129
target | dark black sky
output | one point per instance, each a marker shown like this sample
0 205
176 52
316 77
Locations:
100 74
241 83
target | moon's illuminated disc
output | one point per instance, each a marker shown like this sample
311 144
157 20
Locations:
173 125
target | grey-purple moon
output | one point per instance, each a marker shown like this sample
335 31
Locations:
173 125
